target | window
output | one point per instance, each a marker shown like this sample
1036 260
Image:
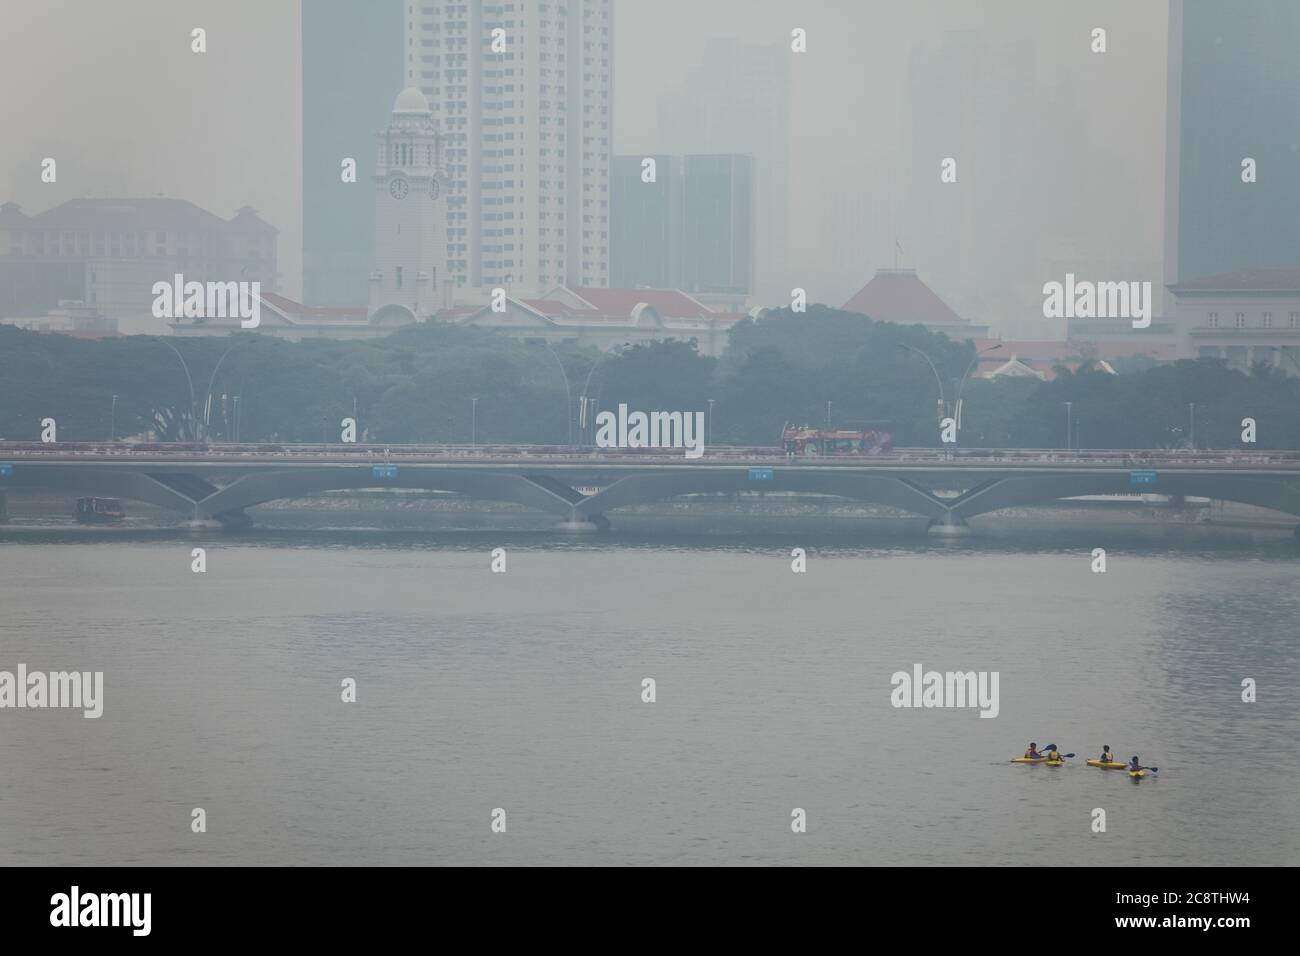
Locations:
1240 320
1268 320
1214 320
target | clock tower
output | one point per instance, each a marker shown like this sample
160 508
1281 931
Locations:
410 277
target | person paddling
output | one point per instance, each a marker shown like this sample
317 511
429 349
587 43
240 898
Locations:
1052 753
1106 755
1134 765
1032 752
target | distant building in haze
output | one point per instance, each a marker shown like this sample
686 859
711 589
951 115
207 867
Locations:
108 253
736 101
351 66
645 223
1234 94
692 228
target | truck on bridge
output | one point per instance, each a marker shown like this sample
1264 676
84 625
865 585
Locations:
806 441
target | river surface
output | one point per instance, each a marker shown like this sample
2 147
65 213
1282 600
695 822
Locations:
523 691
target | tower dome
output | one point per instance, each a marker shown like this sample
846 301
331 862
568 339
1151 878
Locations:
411 100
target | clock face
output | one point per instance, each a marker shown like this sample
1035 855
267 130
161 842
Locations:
398 188
435 187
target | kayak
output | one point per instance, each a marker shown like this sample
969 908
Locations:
1028 759
1135 774
1107 766
1056 763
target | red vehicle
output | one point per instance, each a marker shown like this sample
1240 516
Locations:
876 439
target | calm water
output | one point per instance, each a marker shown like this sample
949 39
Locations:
522 691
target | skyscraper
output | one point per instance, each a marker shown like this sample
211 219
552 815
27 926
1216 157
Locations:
717 224
737 100
1234 94
692 228
351 68
645 224
522 93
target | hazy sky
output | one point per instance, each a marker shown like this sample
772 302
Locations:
112 91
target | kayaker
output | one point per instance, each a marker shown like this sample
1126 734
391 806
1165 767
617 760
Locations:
1106 755
1032 751
1134 765
1051 752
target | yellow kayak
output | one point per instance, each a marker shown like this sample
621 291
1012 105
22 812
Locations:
1107 766
1135 774
1028 759
1055 763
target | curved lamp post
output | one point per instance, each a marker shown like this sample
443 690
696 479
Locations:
190 381
568 393
943 404
207 405
962 384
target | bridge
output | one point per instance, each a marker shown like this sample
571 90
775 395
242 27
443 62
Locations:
212 485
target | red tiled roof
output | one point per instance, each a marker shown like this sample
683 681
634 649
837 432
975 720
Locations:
670 303
147 213
296 310
1256 280
897 295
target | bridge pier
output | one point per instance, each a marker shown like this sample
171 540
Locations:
949 526
576 524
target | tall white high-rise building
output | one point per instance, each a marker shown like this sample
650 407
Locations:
522 93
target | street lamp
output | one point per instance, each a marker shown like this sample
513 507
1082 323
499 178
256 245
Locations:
568 393
828 416
1068 423
112 421
473 422
1191 416
207 405
962 384
708 429
194 417
943 404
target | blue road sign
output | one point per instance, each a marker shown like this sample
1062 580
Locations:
6 470
384 471
1141 477
761 474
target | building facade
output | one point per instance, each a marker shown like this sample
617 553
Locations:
1234 94
645 223
523 94
736 101
607 319
692 228
1244 318
108 253
351 64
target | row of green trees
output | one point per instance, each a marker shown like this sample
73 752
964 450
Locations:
436 383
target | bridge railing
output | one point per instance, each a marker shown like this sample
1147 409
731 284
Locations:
1135 458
